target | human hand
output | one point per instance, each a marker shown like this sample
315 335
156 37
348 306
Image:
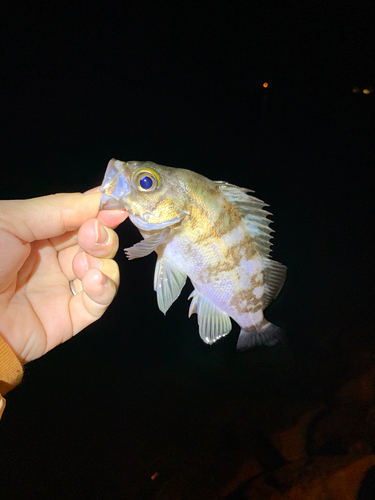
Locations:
44 244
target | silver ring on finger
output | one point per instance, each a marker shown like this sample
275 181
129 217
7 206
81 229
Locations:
72 287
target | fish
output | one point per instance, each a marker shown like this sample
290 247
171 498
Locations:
212 232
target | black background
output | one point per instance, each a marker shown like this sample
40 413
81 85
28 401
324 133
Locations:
181 85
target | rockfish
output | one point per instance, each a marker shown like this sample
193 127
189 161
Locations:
210 231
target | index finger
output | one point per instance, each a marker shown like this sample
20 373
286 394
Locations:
110 218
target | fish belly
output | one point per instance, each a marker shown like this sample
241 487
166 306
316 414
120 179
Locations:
231 282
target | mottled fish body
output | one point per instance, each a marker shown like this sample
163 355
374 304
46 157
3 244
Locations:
210 231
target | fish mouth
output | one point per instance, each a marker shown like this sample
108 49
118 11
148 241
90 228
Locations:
110 203
115 187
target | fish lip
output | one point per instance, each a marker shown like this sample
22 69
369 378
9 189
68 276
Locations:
106 205
115 186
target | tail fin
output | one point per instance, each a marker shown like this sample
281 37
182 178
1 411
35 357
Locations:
267 335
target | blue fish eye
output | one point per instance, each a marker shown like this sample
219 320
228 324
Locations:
146 182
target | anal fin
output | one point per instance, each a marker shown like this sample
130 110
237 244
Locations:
213 323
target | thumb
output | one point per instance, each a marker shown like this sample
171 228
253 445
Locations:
24 221
47 216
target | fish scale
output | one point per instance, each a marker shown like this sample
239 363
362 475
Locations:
213 232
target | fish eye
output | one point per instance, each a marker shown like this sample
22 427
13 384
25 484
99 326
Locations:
146 180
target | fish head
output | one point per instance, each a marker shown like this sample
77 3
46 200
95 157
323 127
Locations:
152 194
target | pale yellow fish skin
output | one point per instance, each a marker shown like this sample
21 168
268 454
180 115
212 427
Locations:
214 249
211 244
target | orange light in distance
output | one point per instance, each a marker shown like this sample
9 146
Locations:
265 85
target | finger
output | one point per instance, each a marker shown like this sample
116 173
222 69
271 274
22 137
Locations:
83 261
65 240
65 258
92 190
89 234
89 305
77 286
13 254
47 216
110 218
97 239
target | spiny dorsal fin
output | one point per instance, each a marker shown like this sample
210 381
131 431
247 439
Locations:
253 215
256 221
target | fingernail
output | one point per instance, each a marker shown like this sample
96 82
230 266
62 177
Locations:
104 280
92 190
102 234
91 262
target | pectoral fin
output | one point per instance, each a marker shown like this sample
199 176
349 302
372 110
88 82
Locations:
146 246
168 283
213 323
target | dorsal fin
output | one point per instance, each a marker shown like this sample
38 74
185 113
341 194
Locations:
274 277
253 215
256 221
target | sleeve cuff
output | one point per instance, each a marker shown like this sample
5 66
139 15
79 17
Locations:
2 405
11 371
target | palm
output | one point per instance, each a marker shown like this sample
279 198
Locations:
38 303
37 308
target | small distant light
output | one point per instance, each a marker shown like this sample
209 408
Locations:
356 90
367 91
265 85
155 475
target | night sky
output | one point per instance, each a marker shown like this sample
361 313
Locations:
182 85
